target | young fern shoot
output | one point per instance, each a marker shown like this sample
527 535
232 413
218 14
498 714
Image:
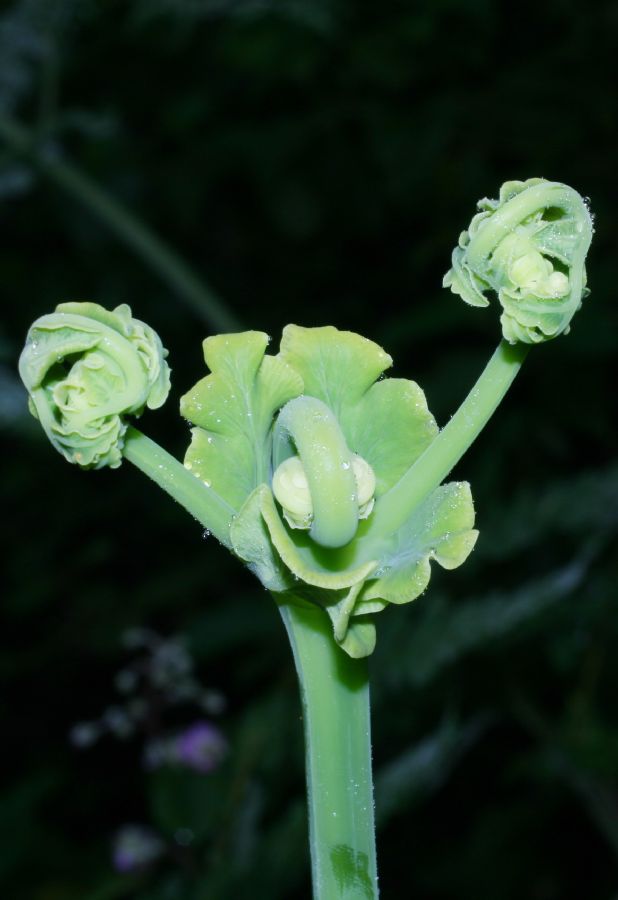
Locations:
324 478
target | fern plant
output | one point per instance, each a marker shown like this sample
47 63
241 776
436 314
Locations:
320 475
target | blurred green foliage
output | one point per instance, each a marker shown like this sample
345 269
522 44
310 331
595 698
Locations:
314 161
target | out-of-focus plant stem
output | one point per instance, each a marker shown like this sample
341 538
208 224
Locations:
128 227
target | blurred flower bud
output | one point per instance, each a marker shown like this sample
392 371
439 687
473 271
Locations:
200 747
135 848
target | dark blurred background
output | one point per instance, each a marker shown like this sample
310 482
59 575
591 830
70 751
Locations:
312 161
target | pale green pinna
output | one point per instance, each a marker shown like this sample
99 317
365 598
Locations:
319 403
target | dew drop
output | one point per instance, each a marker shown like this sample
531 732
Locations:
205 534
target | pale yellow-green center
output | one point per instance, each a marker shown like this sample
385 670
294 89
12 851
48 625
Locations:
291 489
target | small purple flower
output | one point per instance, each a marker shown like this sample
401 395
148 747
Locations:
135 848
200 747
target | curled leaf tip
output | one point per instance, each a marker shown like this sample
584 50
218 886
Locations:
529 247
87 368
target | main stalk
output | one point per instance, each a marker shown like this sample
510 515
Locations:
335 701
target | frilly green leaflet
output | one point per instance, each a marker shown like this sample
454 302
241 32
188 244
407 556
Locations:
233 412
319 400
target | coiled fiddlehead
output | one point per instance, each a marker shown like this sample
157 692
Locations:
86 369
529 246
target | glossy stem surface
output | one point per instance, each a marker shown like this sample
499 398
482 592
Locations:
335 701
195 496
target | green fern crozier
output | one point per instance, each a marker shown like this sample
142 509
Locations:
529 246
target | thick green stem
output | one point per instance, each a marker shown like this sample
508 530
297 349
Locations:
196 496
161 258
327 462
432 467
335 699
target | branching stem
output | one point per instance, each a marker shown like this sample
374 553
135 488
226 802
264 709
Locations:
445 451
198 499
